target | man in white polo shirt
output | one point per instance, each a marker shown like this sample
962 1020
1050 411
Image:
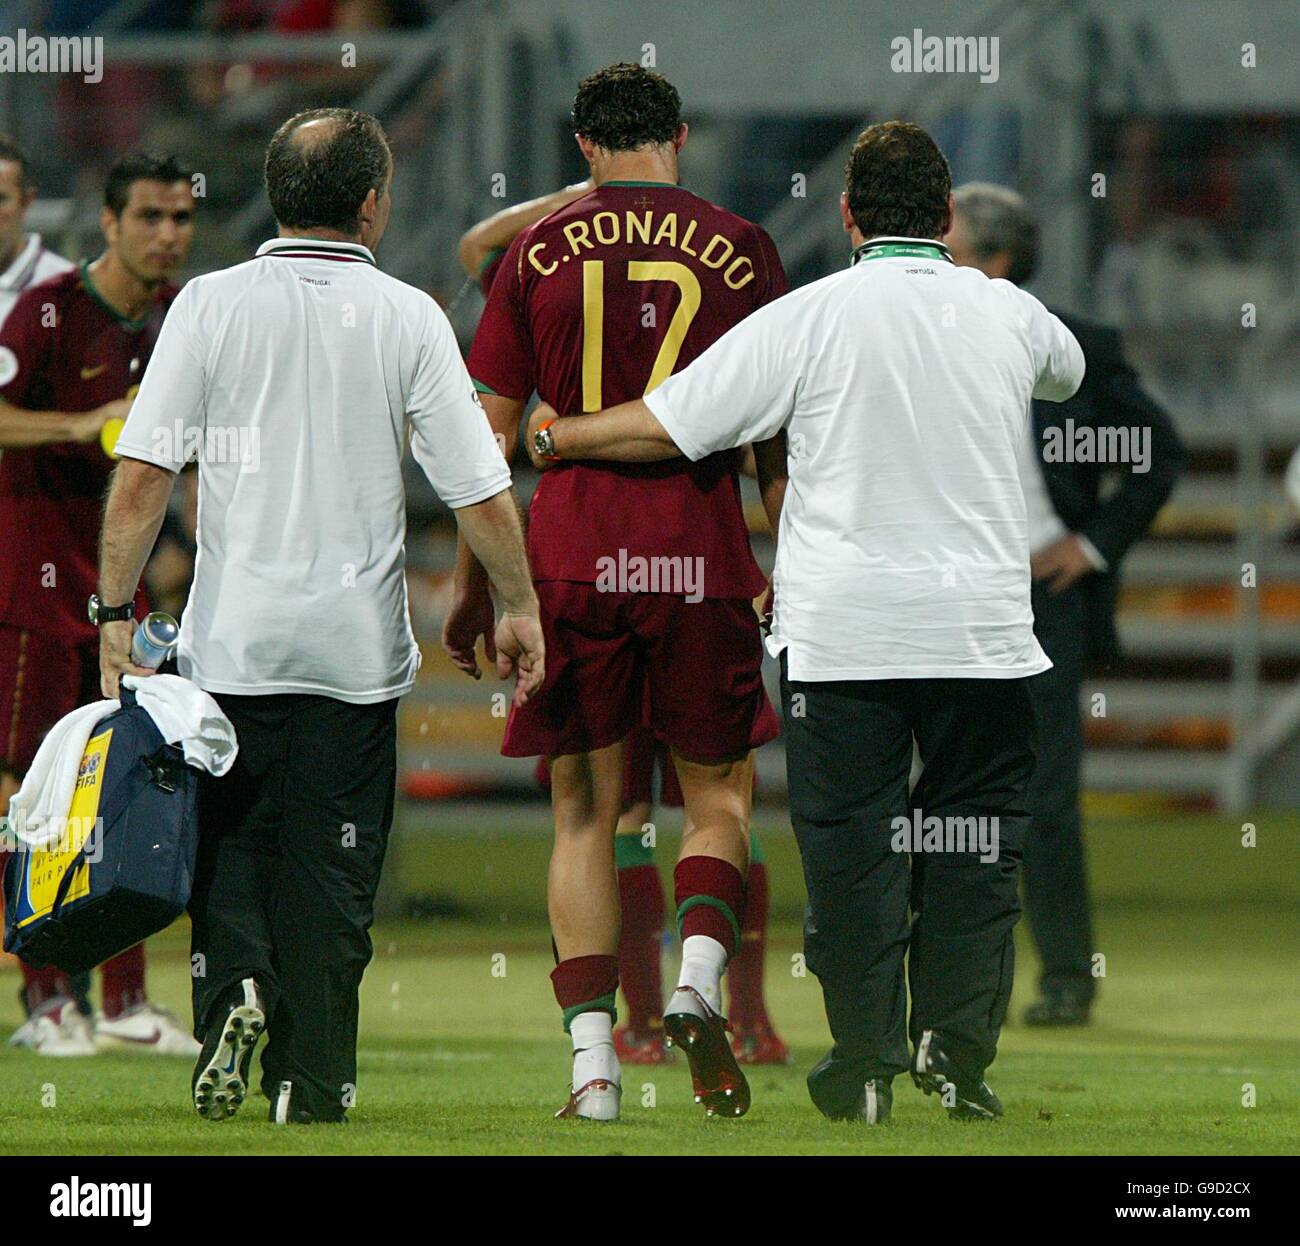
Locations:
903 385
295 379
25 260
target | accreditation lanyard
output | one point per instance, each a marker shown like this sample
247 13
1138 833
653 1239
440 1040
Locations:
895 250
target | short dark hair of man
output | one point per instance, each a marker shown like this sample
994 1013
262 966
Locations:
319 180
997 219
14 152
141 166
625 106
897 181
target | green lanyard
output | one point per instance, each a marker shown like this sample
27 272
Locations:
891 250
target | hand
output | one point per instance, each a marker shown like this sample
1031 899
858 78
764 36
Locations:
763 608
115 657
520 647
87 425
471 615
1061 564
541 413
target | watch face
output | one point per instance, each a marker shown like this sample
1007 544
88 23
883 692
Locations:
92 608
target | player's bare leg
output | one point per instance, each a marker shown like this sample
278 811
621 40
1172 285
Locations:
582 897
641 903
709 883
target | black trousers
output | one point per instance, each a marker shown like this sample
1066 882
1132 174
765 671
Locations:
1056 879
291 844
849 753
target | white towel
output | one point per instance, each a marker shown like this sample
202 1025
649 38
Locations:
183 713
188 716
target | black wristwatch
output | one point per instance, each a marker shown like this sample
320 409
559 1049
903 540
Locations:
99 614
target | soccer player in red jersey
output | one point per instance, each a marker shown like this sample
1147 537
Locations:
645 574
640 1039
72 353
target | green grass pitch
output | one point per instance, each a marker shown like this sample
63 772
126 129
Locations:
461 1050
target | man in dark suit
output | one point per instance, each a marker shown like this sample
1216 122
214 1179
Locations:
1110 432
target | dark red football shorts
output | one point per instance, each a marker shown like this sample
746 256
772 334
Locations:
690 671
42 678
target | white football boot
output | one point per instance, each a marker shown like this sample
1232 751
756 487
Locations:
146 1028
56 1028
598 1100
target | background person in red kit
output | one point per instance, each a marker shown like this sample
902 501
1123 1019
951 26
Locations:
609 295
72 353
641 895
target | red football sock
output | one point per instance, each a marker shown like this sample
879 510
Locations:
43 984
123 981
641 894
585 984
710 895
745 972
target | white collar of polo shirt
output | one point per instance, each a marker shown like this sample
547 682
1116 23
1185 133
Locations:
316 249
15 276
891 247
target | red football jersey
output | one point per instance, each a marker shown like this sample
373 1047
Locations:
594 306
62 348
488 270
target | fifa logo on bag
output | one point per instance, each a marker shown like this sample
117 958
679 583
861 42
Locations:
88 771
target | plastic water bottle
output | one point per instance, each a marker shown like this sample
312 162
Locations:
155 640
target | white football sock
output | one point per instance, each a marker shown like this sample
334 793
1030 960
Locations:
703 960
593 1049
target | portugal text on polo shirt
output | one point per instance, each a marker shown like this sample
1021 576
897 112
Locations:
904 386
324 364
597 304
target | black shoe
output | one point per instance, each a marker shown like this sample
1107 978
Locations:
967 1099
1058 1010
877 1101
221 1075
843 1090
285 1112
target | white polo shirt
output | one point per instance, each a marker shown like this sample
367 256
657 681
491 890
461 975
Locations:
33 264
903 384
294 379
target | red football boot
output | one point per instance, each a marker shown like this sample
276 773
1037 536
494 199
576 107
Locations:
640 1047
759 1044
702 1034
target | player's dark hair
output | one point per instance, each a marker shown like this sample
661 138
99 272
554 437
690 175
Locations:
321 181
997 219
14 152
897 182
624 106
141 166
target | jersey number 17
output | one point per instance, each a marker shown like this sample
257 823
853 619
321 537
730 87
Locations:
593 321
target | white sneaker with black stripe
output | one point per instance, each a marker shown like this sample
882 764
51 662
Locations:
222 1073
